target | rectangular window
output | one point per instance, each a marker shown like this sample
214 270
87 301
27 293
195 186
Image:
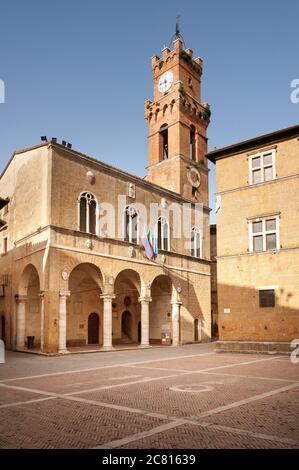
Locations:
267 298
264 234
5 245
262 167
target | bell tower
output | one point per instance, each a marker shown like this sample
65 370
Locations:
177 124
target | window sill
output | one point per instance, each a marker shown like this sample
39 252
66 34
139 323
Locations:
264 251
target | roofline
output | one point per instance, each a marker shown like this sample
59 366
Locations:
261 140
125 174
16 152
105 166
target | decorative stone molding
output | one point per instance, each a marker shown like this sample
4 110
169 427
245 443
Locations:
107 297
193 176
21 298
176 302
64 293
131 190
131 252
179 289
65 274
145 300
90 176
88 244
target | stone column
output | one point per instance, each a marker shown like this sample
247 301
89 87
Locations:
145 301
63 294
98 220
21 320
175 315
42 320
107 321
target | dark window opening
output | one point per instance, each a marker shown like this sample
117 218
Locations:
192 143
83 214
163 236
92 216
134 227
87 222
267 298
127 226
164 136
159 234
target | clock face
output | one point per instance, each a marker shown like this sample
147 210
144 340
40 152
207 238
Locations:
165 82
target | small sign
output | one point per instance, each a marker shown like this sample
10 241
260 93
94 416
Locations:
226 310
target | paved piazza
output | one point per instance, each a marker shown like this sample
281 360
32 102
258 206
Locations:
164 398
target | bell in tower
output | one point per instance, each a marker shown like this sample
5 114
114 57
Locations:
177 124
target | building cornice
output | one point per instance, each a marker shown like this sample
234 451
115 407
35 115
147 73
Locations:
261 253
112 241
109 169
254 143
258 185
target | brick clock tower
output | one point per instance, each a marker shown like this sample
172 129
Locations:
177 124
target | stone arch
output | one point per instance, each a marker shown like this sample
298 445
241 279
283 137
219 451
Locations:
160 307
128 287
28 308
85 285
89 269
27 273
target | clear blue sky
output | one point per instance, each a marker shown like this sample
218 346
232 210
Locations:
80 70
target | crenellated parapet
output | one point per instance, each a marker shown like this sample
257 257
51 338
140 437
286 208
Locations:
171 57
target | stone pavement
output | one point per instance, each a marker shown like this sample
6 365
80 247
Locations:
166 398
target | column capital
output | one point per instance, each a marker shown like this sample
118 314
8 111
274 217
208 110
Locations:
21 298
41 294
107 296
64 293
176 302
145 300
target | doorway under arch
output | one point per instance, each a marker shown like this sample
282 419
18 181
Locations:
160 308
93 328
126 325
85 285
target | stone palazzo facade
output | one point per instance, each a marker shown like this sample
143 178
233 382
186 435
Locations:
257 184
68 278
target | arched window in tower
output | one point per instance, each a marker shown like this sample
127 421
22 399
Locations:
196 243
131 225
162 234
164 141
87 213
192 143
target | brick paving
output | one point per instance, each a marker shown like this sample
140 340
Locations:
187 397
